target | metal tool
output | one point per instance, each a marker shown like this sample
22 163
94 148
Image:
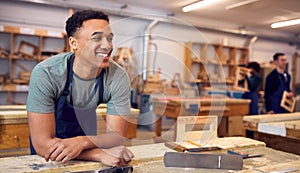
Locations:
181 148
201 160
244 155
126 169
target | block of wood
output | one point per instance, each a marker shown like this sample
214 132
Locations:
224 143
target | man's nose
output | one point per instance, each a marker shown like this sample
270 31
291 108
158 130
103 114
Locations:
105 44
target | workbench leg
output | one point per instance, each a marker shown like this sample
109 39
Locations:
158 125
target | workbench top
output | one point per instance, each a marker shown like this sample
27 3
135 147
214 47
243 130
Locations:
275 124
149 158
265 118
272 160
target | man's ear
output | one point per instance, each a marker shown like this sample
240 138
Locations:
73 43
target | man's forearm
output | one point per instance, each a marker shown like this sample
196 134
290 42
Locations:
107 140
91 154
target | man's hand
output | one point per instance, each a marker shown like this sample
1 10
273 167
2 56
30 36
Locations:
64 150
116 156
290 95
270 112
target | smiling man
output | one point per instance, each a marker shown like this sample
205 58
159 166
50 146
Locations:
66 89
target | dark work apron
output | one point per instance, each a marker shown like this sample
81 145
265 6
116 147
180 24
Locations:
72 121
275 99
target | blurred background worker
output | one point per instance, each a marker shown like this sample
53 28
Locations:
277 82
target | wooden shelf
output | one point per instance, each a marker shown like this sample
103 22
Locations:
217 55
24 48
31 31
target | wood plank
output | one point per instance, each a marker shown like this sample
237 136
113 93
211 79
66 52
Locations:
225 143
13 117
272 117
12 107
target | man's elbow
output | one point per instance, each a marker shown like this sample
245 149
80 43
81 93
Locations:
42 146
39 148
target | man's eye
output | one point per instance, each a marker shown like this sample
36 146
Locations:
110 39
96 38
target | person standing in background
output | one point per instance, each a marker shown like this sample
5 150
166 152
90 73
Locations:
253 81
277 82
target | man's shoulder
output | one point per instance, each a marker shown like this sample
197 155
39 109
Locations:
55 60
56 64
272 73
53 69
115 70
115 66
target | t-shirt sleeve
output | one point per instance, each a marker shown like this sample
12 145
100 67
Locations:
119 102
41 97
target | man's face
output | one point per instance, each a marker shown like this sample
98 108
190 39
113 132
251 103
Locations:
281 62
94 43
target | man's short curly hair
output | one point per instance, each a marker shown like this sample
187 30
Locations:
76 20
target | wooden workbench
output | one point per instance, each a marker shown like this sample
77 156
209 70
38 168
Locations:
278 131
14 128
149 158
229 110
12 107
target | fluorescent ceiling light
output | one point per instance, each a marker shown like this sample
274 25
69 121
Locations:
229 7
285 23
197 5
